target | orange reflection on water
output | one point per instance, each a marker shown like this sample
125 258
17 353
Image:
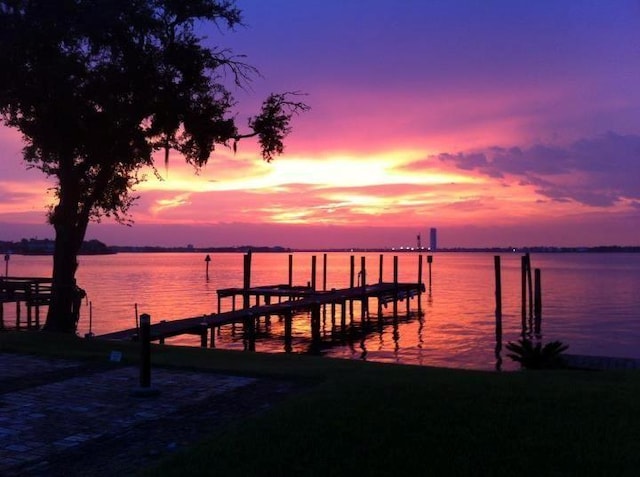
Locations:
452 324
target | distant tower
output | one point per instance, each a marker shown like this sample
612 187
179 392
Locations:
433 235
419 242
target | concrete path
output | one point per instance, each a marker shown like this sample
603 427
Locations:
50 408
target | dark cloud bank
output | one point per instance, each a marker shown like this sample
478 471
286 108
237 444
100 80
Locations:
600 171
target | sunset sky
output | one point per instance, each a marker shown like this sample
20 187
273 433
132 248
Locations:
501 123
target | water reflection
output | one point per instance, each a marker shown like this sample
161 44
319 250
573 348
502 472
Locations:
459 303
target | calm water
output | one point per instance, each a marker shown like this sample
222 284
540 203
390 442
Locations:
590 301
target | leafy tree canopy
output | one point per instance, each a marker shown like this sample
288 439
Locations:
97 87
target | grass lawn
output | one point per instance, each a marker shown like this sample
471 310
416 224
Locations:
368 419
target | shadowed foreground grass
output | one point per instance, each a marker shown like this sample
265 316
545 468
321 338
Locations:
372 419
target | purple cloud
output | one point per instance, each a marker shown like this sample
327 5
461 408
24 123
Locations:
599 171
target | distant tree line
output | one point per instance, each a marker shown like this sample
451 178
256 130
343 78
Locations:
35 246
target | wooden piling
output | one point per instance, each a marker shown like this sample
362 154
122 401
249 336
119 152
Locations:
523 290
419 275
315 323
250 332
395 283
246 280
380 275
364 309
313 273
324 272
538 303
352 267
530 284
204 337
498 298
288 315
429 262
290 270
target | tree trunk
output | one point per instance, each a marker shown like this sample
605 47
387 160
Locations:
70 225
65 295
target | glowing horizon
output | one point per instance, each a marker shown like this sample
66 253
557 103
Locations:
429 116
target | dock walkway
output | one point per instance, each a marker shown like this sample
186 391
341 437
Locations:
300 299
33 292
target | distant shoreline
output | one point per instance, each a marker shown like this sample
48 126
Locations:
97 248
246 248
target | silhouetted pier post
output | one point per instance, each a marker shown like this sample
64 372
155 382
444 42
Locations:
530 284
496 261
352 269
86 335
290 270
523 280
395 285
313 273
429 262
38 309
212 343
246 280
207 260
419 283
6 264
380 275
315 323
365 301
250 332
324 272
288 315
18 314
538 303
204 334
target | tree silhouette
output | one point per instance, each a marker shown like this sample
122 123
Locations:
97 87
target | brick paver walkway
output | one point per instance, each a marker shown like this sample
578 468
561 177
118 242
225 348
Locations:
49 407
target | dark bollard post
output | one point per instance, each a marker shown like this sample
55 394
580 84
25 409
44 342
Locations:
145 350
380 274
145 388
429 262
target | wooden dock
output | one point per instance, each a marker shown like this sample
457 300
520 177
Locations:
33 292
298 300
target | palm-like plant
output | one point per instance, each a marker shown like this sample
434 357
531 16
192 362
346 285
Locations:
536 356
